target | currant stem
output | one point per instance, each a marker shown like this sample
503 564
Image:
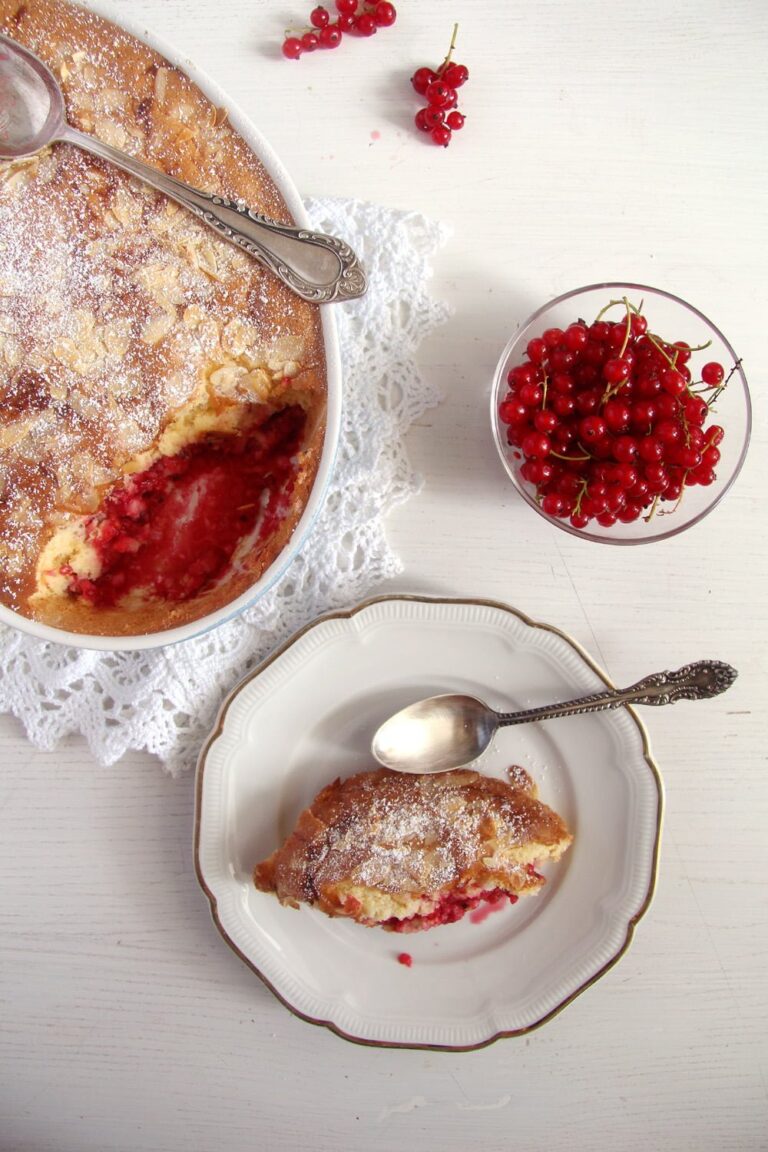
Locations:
650 515
447 60
579 498
615 304
686 422
679 500
611 391
724 384
560 456
659 346
628 332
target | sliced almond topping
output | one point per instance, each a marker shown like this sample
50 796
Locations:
157 327
117 337
13 434
257 383
111 132
161 84
225 379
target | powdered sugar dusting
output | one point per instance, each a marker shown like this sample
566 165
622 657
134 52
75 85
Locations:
407 833
117 306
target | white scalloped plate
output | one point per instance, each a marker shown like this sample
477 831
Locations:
307 715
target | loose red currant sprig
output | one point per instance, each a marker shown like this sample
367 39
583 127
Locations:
363 19
608 421
440 118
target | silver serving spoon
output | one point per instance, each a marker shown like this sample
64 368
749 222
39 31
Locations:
317 267
446 732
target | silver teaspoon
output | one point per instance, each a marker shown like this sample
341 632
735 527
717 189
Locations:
446 732
316 267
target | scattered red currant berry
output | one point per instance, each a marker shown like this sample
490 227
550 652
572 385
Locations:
455 120
309 42
365 24
455 75
442 136
319 17
292 48
435 117
330 36
422 78
439 94
346 7
384 14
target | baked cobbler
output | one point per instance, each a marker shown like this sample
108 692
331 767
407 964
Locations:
162 396
408 852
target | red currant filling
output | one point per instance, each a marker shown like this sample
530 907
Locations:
171 531
452 907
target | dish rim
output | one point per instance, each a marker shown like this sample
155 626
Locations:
277 172
348 614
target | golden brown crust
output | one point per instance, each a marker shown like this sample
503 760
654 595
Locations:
119 310
383 844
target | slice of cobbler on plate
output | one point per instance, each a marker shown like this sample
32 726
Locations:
407 852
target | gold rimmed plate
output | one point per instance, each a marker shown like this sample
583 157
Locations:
307 714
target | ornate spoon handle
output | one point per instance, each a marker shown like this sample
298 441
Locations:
317 267
696 681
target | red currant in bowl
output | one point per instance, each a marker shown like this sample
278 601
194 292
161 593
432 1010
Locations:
621 413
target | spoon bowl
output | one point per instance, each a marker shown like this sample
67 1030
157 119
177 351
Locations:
435 735
32 111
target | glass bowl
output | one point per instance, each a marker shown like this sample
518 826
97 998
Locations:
675 321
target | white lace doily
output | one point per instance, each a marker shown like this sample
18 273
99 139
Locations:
165 701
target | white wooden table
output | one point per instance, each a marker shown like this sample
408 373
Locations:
605 140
